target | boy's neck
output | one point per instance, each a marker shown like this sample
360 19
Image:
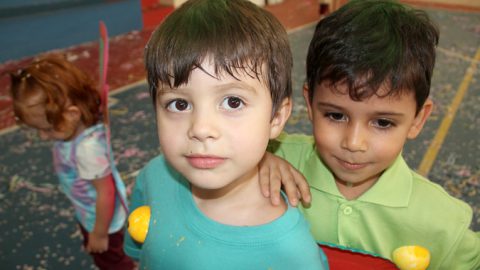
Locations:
352 191
239 204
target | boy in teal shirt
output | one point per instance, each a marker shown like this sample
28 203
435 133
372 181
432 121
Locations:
219 73
369 67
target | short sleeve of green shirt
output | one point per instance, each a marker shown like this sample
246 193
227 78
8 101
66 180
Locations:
402 208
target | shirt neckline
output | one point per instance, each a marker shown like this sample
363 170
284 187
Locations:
229 234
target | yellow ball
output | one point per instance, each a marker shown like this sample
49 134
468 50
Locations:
138 221
411 258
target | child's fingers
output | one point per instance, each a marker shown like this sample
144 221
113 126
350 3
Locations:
264 179
275 185
302 186
290 187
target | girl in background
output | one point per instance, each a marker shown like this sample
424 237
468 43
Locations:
61 102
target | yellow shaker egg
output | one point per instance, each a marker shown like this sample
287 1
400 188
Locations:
411 258
138 221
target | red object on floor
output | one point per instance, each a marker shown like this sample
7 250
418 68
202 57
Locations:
343 259
153 13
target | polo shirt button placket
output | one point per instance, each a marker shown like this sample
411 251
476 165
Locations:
347 210
345 220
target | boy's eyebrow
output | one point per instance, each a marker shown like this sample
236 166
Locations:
226 86
326 104
236 85
163 90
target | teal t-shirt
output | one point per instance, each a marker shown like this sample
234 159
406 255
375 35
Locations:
180 236
402 208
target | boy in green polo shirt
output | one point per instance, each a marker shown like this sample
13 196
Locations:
369 68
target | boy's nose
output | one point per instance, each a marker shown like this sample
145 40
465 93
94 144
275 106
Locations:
355 138
203 126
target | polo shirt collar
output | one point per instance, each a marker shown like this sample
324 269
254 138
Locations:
393 188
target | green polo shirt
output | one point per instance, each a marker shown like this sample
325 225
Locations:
402 208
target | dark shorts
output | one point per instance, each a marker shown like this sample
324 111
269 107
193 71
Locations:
114 258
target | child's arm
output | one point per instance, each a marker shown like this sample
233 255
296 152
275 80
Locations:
275 172
105 205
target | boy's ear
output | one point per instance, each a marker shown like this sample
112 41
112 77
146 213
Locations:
420 119
280 118
307 101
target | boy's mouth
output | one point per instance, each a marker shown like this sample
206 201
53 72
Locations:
351 165
204 161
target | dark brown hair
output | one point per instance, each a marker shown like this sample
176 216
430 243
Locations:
239 37
371 43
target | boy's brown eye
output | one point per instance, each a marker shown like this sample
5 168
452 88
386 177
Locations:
234 102
178 105
335 116
384 123
181 105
